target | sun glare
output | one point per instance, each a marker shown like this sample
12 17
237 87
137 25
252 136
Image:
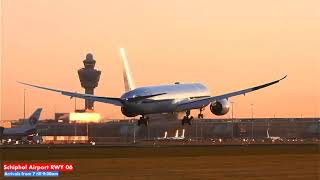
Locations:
84 117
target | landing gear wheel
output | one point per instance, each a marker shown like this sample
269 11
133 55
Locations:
200 116
186 120
143 120
190 119
187 113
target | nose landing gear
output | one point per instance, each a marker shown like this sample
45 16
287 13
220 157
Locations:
200 115
143 120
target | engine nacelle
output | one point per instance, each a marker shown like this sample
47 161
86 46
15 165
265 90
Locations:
127 112
220 107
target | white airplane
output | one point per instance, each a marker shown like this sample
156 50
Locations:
27 129
273 138
172 98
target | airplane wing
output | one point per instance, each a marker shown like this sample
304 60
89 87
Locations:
206 101
108 100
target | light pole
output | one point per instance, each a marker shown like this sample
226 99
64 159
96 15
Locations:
232 119
197 129
24 104
134 131
88 131
318 129
232 109
75 104
252 121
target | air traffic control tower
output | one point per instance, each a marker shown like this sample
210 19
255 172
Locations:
89 78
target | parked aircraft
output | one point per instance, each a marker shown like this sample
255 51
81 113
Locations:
27 130
273 138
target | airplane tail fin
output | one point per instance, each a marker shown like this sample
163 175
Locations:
177 133
128 81
182 135
268 135
33 119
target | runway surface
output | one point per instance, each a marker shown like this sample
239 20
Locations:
177 162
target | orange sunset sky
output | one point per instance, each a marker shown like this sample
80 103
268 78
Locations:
227 45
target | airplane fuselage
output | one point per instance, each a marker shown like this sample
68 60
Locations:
17 132
173 95
275 138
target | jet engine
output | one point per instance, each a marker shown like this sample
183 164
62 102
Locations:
127 112
220 107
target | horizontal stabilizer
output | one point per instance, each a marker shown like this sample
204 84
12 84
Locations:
34 118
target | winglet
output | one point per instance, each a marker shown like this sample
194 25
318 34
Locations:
283 78
34 118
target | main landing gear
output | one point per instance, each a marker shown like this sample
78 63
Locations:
200 115
187 118
143 120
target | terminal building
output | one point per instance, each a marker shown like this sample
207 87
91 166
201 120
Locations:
126 130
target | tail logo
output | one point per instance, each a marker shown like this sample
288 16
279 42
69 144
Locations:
33 120
34 117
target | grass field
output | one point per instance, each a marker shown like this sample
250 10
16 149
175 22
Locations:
178 162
